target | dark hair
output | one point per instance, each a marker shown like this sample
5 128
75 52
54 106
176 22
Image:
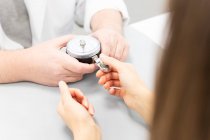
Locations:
182 105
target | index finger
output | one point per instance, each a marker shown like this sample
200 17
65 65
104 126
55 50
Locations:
61 42
99 73
65 95
115 64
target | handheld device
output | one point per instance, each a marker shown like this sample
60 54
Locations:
86 49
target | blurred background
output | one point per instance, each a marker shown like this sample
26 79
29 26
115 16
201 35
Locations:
143 9
139 10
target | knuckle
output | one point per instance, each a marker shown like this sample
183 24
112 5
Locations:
118 56
106 42
107 77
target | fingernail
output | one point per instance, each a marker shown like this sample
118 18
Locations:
99 81
91 110
102 55
86 104
106 86
60 83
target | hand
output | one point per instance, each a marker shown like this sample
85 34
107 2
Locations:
113 43
132 89
47 64
77 113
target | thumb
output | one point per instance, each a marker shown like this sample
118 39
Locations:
62 41
112 62
65 95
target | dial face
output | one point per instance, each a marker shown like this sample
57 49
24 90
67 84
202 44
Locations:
83 47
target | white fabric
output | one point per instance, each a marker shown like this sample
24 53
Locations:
53 18
93 6
6 43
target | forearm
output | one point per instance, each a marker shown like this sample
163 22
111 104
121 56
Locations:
88 133
144 105
107 19
12 66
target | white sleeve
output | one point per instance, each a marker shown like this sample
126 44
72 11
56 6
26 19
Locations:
79 13
94 6
6 43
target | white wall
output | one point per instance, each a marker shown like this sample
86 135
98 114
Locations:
142 9
139 10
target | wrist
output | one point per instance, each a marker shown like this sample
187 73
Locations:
91 132
19 65
107 18
113 27
143 104
24 64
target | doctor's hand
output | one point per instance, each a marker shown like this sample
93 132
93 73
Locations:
130 87
113 43
77 113
47 64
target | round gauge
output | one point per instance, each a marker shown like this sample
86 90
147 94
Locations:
83 48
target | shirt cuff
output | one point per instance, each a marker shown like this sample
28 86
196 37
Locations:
94 6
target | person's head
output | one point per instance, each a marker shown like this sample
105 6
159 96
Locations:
182 108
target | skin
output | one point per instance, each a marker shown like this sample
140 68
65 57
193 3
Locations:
43 63
107 26
133 91
47 65
77 112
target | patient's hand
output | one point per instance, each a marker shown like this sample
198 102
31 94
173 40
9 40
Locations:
46 64
113 43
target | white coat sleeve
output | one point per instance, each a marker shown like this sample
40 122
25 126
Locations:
88 8
6 43
79 13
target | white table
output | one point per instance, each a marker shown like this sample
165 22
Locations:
28 110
